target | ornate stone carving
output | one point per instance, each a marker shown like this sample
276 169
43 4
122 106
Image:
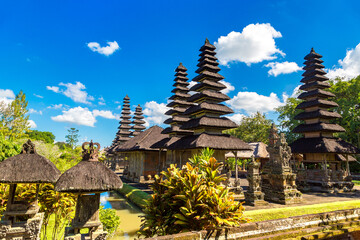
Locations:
254 196
28 147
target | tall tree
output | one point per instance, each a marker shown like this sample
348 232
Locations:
254 128
73 137
14 121
47 137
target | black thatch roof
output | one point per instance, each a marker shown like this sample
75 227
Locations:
178 102
176 118
314 78
317 102
143 141
28 167
313 65
179 95
317 127
213 96
209 85
181 68
208 74
316 93
176 110
164 143
220 142
317 114
323 145
312 55
220 123
314 85
218 108
89 175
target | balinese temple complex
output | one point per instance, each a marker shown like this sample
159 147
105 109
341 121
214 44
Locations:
205 119
325 157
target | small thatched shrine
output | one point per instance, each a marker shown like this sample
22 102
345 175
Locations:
21 219
144 159
138 121
325 158
278 180
88 179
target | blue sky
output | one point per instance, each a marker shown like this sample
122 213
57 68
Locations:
76 60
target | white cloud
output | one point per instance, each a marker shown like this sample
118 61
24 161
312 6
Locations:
31 110
38 96
101 101
32 124
237 117
252 102
6 96
104 113
254 44
228 88
155 112
53 88
349 66
107 51
56 106
74 91
278 68
77 115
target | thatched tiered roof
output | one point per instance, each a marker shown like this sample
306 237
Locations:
205 113
258 151
89 175
144 141
317 114
28 167
138 121
179 104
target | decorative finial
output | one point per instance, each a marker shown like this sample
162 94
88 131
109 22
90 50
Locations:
312 50
28 148
207 40
90 153
181 65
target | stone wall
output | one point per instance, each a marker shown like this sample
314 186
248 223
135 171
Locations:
255 229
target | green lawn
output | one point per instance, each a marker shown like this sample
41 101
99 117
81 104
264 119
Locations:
276 213
356 182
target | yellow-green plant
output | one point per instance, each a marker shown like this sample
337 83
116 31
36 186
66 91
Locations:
191 198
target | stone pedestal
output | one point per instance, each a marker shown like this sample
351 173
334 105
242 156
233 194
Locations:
254 196
278 180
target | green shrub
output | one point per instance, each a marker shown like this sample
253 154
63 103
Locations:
109 219
191 199
134 195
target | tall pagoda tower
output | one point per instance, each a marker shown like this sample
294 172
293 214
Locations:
124 132
319 147
179 104
138 122
206 119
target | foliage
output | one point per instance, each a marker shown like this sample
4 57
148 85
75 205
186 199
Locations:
47 137
286 118
347 95
8 148
13 119
109 219
190 199
134 195
73 137
254 128
63 145
241 162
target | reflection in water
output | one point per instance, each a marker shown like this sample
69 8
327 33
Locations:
129 215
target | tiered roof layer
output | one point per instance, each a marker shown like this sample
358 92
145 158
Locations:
138 121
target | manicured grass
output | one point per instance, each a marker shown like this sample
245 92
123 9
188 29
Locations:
276 213
356 182
134 195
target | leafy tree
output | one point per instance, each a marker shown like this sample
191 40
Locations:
8 148
73 137
254 128
191 199
47 137
109 219
286 118
13 119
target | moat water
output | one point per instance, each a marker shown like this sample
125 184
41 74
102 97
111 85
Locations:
129 215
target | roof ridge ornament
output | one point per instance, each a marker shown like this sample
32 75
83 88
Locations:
91 153
28 147
312 50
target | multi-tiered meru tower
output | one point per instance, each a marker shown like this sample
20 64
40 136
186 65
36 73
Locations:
138 121
322 152
124 132
206 119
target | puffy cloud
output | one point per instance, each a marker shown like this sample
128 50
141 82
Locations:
77 115
53 88
32 124
349 66
254 44
83 116
107 50
155 113
252 102
74 91
101 101
31 110
6 96
104 113
278 68
237 117
228 88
